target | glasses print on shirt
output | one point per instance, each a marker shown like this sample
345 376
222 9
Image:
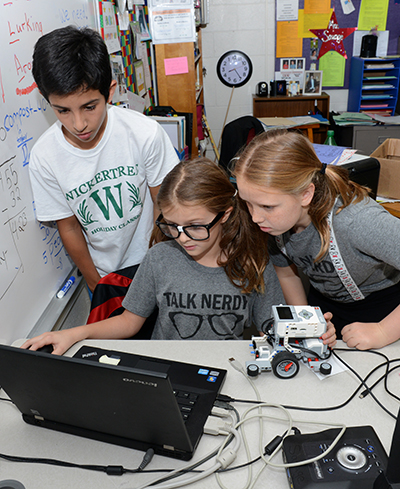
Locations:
188 324
202 314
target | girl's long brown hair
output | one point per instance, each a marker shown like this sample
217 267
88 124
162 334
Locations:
200 182
286 160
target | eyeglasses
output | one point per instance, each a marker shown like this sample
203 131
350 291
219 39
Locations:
197 232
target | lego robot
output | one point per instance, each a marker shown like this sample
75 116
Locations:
293 336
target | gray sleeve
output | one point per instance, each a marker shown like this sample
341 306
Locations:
141 297
273 296
276 255
375 232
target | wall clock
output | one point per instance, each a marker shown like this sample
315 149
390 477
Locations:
234 68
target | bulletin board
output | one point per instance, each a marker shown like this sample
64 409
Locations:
348 21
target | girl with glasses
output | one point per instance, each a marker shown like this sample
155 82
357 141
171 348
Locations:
322 223
207 270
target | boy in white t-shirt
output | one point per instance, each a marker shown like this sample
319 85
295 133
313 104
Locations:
97 170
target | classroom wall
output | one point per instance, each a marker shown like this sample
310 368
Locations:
250 27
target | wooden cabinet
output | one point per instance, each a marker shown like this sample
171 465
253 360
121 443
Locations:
300 105
374 85
185 90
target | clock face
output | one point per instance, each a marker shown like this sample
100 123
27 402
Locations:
234 68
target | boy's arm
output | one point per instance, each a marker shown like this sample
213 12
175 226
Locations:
292 286
153 193
74 241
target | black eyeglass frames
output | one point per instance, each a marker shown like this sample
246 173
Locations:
197 232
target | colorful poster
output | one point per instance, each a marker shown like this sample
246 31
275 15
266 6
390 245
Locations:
108 26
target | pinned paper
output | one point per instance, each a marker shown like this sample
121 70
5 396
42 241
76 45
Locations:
176 66
288 44
333 66
347 6
372 13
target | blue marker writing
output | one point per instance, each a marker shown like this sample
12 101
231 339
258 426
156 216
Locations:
68 284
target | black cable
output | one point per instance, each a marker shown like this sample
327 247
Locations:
6 400
331 408
60 463
268 450
218 403
366 386
385 378
311 352
108 469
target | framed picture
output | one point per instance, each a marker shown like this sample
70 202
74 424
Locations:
293 64
312 82
294 88
281 87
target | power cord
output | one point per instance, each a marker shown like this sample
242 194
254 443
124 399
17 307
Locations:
108 469
365 385
224 457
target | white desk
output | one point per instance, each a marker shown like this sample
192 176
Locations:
19 438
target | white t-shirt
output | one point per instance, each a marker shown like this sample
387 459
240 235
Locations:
107 187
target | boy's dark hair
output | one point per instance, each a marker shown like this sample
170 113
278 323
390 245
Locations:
68 60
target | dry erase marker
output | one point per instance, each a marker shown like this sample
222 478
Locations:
68 284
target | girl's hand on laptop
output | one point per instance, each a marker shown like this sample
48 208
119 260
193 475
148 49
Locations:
61 341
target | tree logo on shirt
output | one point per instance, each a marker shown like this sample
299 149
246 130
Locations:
134 198
85 215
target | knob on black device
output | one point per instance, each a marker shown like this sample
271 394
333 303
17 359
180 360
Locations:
262 89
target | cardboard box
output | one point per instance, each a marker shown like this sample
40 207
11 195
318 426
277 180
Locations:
388 155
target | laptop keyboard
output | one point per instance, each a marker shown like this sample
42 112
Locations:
186 401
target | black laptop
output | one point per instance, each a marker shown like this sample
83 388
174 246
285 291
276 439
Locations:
126 399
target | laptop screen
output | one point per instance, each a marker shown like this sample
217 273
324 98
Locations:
133 406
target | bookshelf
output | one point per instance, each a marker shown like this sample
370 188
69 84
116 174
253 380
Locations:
374 85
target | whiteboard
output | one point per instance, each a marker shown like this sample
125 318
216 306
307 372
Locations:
33 262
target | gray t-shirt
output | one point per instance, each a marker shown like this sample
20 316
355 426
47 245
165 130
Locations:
196 302
368 238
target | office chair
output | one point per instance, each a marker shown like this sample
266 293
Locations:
236 135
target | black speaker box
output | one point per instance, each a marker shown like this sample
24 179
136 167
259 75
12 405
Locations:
262 89
355 462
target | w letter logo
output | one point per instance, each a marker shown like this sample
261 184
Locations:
109 199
